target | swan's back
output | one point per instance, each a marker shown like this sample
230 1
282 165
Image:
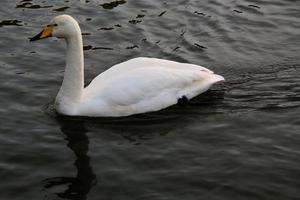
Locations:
144 62
143 85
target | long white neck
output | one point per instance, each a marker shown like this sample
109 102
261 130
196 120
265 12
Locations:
73 83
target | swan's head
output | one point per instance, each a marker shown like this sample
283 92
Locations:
62 26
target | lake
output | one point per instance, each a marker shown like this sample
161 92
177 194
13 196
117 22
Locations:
239 140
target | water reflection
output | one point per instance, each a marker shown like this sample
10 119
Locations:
133 130
78 142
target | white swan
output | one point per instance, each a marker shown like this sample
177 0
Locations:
136 86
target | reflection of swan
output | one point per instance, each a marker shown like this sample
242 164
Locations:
79 186
135 86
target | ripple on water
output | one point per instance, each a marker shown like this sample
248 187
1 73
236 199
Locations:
10 23
238 140
113 4
269 88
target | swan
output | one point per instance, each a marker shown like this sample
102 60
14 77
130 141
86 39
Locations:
135 86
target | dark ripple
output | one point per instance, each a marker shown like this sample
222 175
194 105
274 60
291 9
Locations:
10 23
274 87
134 21
112 4
89 47
29 5
106 28
250 9
61 9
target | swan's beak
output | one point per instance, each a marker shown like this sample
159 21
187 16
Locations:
45 33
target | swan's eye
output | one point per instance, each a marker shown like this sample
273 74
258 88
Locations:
54 24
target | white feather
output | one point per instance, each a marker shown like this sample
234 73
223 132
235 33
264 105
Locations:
145 84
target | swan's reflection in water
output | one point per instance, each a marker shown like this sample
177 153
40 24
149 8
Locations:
78 142
133 130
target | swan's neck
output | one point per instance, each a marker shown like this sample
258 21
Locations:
73 83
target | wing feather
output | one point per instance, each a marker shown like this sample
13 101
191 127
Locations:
148 84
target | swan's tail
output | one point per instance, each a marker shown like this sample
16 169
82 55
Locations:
216 78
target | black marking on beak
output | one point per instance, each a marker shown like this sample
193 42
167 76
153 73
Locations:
37 37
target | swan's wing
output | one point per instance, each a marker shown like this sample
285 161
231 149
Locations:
144 62
148 86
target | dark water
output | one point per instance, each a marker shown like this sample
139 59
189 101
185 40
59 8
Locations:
240 140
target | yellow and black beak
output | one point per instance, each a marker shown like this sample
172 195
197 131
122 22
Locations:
45 33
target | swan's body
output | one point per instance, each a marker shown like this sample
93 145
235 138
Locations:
136 86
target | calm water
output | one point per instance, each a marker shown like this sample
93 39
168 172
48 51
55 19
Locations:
240 140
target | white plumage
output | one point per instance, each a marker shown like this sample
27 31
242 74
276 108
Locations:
136 86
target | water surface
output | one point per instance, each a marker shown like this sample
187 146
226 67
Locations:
240 140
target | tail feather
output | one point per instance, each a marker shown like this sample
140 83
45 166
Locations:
217 78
